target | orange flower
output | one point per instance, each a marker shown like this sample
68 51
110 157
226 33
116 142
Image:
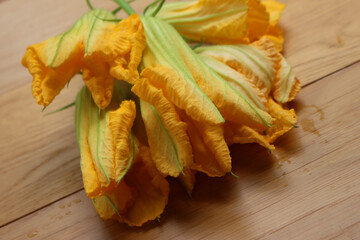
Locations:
260 72
101 49
106 143
118 172
230 22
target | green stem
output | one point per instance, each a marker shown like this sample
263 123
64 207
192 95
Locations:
61 109
116 10
89 5
158 8
120 8
127 8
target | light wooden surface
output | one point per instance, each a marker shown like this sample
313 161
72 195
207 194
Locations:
308 189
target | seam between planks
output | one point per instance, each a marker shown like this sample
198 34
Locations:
330 74
46 205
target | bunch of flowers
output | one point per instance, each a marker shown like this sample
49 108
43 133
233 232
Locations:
154 105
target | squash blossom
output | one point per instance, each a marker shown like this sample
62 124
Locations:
180 113
199 100
101 49
261 73
230 22
117 170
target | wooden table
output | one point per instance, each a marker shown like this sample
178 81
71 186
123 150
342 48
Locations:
309 188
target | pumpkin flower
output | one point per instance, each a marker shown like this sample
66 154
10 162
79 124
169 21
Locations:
230 22
261 64
118 172
260 72
99 48
107 145
198 99
200 20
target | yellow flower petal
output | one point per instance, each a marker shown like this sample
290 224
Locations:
274 32
257 61
110 206
99 82
274 9
238 81
106 146
120 123
152 190
284 120
167 134
200 20
116 54
235 133
182 93
94 45
90 178
48 82
229 22
190 69
123 48
55 61
211 153
258 20
140 198
286 85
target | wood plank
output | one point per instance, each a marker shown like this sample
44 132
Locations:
39 156
321 36
311 191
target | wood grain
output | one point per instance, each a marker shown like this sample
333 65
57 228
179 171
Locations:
39 156
308 189
321 36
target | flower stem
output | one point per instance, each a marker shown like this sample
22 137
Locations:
89 5
127 8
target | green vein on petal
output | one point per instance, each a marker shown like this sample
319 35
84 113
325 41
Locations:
98 143
169 138
132 140
113 205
